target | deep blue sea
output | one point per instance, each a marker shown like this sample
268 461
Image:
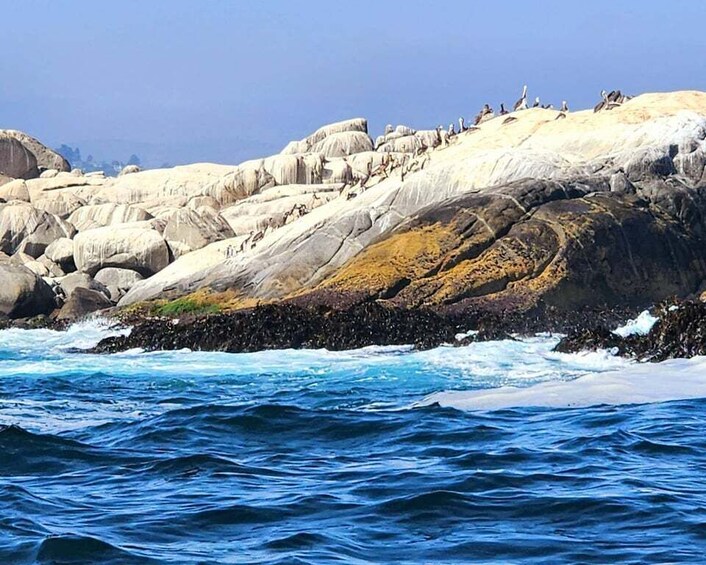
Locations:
499 452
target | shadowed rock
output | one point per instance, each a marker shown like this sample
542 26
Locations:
23 293
16 161
47 159
83 301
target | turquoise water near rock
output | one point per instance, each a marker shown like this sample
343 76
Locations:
499 452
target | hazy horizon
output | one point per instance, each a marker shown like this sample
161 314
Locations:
226 81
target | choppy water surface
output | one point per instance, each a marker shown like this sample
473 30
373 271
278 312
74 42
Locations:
498 452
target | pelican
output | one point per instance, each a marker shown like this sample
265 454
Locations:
614 99
564 106
488 112
257 237
521 104
536 102
485 114
503 111
603 103
443 135
462 125
451 130
389 129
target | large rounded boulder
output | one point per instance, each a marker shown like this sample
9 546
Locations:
344 143
28 229
107 214
16 161
23 293
47 159
188 230
15 190
131 247
61 252
81 303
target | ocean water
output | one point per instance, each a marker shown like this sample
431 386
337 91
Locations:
499 452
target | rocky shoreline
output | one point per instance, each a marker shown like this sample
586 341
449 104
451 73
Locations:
523 223
291 325
678 332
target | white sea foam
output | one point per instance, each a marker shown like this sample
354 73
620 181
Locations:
81 335
523 372
676 379
638 326
514 362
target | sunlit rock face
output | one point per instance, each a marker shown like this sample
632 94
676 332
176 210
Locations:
593 207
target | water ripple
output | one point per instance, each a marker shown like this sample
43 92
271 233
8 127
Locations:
317 457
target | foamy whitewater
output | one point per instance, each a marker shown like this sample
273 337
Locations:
492 452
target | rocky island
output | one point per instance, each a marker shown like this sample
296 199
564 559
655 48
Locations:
529 221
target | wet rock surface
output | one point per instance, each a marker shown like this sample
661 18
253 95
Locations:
285 326
297 325
680 332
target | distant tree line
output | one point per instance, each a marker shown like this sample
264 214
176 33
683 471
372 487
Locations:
89 164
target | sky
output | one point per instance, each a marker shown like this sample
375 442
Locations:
226 80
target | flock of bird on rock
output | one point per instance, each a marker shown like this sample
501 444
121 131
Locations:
609 100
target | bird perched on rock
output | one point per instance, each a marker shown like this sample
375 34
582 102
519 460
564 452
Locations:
461 125
257 237
443 135
485 114
564 106
521 104
451 131
603 103
368 173
615 98
503 111
245 241
536 102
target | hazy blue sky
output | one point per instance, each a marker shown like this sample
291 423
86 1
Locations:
226 80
